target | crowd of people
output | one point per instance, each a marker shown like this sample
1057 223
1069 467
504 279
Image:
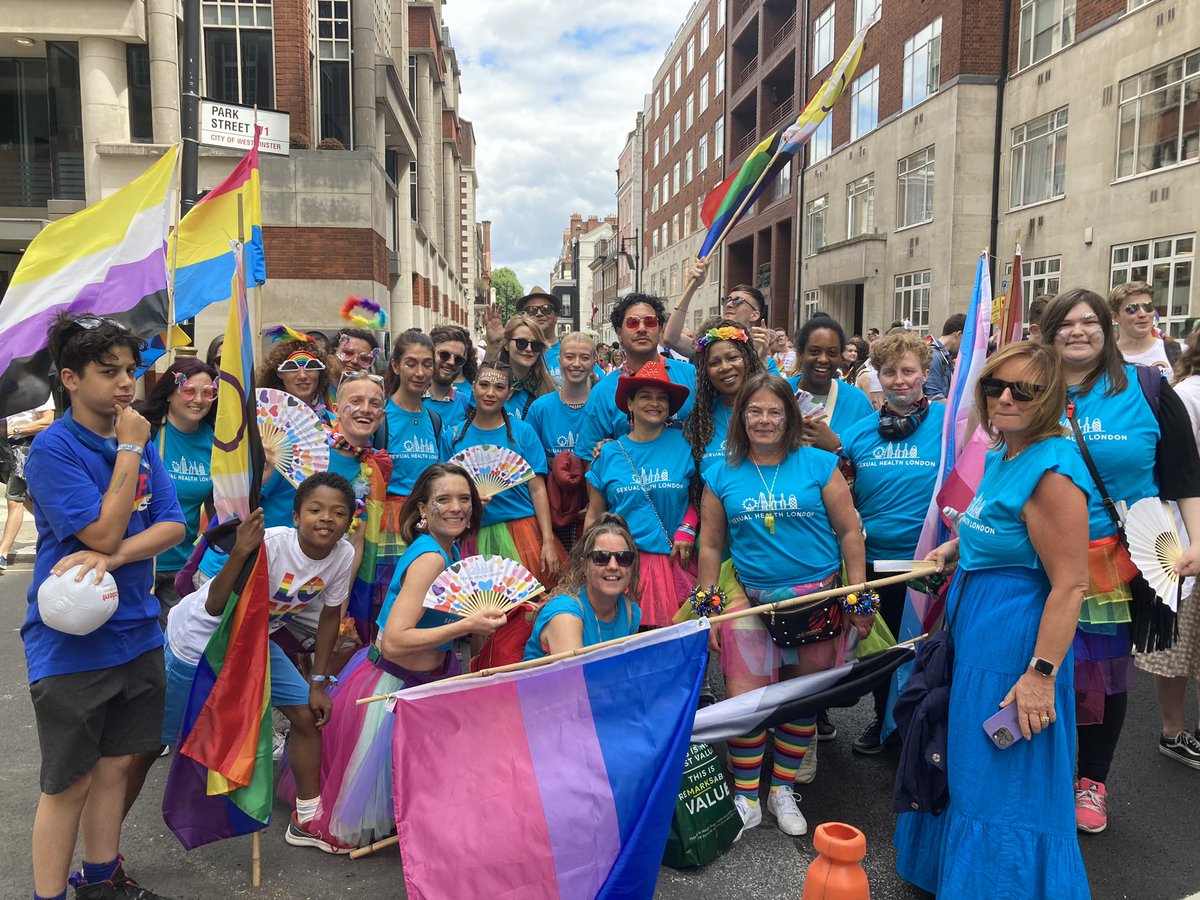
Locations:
730 461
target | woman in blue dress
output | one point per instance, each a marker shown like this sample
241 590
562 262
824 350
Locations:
645 476
725 358
820 343
789 521
1021 574
596 599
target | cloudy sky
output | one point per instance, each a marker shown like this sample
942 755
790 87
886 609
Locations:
553 88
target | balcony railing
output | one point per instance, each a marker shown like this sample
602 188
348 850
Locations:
748 70
748 141
740 8
783 111
782 33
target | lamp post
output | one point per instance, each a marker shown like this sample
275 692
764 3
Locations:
632 260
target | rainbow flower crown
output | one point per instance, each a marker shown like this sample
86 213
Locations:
724 333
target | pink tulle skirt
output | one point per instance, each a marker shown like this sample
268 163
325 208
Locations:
665 587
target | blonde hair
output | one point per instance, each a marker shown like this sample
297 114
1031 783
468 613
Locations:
545 381
1048 405
579 337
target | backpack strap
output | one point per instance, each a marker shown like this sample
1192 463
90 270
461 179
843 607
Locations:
831 401
1150 379
435 419
1109 506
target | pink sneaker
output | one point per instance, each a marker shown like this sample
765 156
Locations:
1091 806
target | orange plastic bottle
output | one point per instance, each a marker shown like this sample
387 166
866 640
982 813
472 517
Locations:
837 873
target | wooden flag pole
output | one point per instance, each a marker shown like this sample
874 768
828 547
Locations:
256 859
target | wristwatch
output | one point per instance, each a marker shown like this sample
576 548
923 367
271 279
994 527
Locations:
1043 667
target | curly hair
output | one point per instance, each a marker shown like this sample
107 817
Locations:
268 377
154 407
700 425
617 317
894 346
575 576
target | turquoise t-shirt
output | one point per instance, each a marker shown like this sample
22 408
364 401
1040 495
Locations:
186 457
556 424
715 451
1122 435
603 421
453 409
803 548
514 503
852 405
429 618
412 445
991 532
628 618
661 468
894 481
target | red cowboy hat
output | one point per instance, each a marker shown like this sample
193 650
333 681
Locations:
652 374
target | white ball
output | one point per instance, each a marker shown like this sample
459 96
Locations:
77 607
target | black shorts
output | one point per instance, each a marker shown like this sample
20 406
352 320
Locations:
106 712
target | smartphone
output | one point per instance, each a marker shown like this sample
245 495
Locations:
1002 728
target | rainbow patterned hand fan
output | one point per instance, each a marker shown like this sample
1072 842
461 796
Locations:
480 583
293 432
1155 547
493 469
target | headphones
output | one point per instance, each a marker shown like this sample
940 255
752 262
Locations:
897 428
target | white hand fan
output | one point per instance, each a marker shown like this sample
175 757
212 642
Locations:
493 469
1155 547
293 431
479 583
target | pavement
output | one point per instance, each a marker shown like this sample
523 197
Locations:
1149 851
23 546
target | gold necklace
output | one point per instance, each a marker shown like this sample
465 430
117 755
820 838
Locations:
769 518
568 404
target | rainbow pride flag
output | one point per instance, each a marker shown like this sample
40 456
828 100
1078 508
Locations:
557 781
200 249
376 471
729 201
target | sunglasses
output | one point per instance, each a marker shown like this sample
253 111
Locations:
355 376
91 323
735 302
523 344
346 355
601 557
1021 391
635 322
1132 308
189 391
445 356
538 309
307 363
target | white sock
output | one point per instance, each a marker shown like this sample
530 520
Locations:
306 810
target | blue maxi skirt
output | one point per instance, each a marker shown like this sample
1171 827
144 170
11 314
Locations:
1010 827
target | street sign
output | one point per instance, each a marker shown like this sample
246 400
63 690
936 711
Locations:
227 125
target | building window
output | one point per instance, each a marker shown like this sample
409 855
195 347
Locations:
719 75
1167 265
860 206
1039 159
1038 276
412 82
812 303
654 248
914 188
1137 4
703 153
674 179
783 184
1159 119
689 107
816 223
865 10
864 103
678 74
666 187
412 189
691 55
657 150
687 220
141 123
687 167
666 138
822 140
1046 27
654 202
719 138
704 92
822 42
664 235
912 299
720 25
238 61
333 69
676 122
923 63
676 234
705 28
657 105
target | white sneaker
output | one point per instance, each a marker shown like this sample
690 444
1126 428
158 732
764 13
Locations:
781 803
808 766
749 810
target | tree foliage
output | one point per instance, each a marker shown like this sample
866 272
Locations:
508 290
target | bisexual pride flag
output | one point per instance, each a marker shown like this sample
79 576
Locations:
558 781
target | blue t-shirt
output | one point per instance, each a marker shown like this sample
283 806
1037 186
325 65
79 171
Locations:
412 445
991 532
453 409
514 503
852 405
803 548
518 404
430 618
628 618
715 451
894 481
554 367
663 469
1122 436
186 457
68 477
557 425
602 420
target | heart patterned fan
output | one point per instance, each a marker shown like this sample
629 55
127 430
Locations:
493 469
1154 547
479 583
292 431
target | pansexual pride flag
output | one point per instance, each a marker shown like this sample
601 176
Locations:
109 260
557 781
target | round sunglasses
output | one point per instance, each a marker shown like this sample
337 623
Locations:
523 344
189 391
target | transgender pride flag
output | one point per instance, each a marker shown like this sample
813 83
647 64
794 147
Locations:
553 782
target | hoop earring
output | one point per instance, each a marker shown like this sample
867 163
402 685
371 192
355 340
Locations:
421 523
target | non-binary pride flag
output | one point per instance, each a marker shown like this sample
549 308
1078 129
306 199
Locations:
109 260
553 782
200 252
729 201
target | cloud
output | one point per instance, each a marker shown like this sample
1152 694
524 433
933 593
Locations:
553 89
